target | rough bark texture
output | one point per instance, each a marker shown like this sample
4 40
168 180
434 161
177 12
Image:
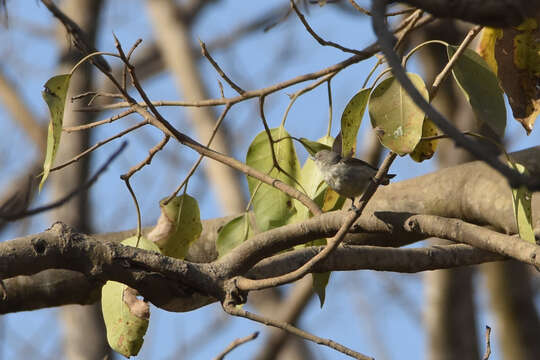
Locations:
83 327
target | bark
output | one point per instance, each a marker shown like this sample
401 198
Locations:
83 327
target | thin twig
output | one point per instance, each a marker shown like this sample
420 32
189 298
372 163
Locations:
367 52
94 95
86 185
137 208
317 37
488 343
386 43
99 144
80 40
329 89
271 142
159 146
236 343
197 163
100 122
231 309
128 57
300 92
460 50
367 12
207 55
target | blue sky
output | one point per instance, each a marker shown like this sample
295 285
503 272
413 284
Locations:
255 61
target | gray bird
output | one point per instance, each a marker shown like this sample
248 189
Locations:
348 177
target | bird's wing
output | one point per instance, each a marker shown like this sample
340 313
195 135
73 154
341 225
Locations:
354 161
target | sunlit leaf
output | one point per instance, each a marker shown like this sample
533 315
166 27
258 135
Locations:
351 120
178 226
481 88
313 147
54 94
426 148
271 206
486 46
516 54
522 208
233 234
395 116
125 315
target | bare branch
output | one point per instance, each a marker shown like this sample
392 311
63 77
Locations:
231 308
80 39
236 343
60 202
99 144
207 55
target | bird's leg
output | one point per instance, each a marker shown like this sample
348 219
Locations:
353 208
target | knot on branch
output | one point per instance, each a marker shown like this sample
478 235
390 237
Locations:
39 245
233 295
412 225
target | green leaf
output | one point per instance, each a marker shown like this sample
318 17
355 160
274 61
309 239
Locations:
55 92
125 315
319 283
233 234
522 208
272 207
313 147
178 226
395 116
351 120
481 89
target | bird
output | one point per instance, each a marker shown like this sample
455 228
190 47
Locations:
349 177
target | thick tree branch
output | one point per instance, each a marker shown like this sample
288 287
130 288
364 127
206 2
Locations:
495 13
430 194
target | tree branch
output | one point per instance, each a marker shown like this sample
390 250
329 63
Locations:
495 13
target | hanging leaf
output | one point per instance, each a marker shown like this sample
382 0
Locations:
486 46
319 283
480 86
125 315
54 94
516 54
426 148
271 206
233 234
395 115
522 208
178 226
351 120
